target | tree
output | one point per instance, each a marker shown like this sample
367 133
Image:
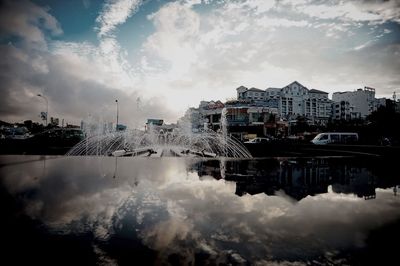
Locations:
301 125
384 123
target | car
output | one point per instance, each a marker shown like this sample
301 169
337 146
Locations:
335 138
258 140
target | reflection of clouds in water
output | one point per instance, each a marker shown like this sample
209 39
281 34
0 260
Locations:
177 213
96 210
79 194
102 257
21 181
267 225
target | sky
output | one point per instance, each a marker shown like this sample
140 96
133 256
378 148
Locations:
158 57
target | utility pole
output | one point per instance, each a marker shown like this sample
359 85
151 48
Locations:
116 126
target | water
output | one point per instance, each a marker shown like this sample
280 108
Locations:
178 143
224 129
193 211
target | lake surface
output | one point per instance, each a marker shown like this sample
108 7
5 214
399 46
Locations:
138 211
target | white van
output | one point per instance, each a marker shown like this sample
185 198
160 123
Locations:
335 137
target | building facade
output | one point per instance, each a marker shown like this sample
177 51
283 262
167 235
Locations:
341 110
362 101
292 101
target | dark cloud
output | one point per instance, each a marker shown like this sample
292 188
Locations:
73 84
326 46
26 21
71 96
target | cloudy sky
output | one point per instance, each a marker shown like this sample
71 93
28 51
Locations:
160 57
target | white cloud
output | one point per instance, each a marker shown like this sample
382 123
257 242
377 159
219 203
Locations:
380 11
280 22
109 51
259 6
114 13
386 31
190 3
201 53
77 78
345 11
362 46
177 31
204 56
209 54
99 64
75 83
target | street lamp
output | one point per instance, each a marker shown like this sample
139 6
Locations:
116 126
47 106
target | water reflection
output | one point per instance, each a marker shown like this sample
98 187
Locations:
198 211
299 177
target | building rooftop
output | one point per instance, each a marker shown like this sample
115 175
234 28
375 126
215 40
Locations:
241 88
255 89
296 82
317 91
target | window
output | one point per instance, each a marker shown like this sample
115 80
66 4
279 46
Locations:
349 138
335 138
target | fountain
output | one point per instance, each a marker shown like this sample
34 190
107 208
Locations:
153 143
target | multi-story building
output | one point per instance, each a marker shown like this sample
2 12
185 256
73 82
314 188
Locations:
251 94
272 97
341 110
344 111
363 101
242 118
292 101
320 106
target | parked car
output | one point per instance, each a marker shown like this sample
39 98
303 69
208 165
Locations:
258 140
335 137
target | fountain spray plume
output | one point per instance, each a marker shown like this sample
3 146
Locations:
156 141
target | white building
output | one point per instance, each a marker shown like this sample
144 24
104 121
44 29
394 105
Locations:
241 92
292 101
253 94
342 111
273 93
293 98
362 100
320 105
273 97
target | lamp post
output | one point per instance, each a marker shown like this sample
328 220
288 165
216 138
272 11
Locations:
116 126
47 106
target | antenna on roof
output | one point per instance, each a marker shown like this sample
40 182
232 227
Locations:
394 96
